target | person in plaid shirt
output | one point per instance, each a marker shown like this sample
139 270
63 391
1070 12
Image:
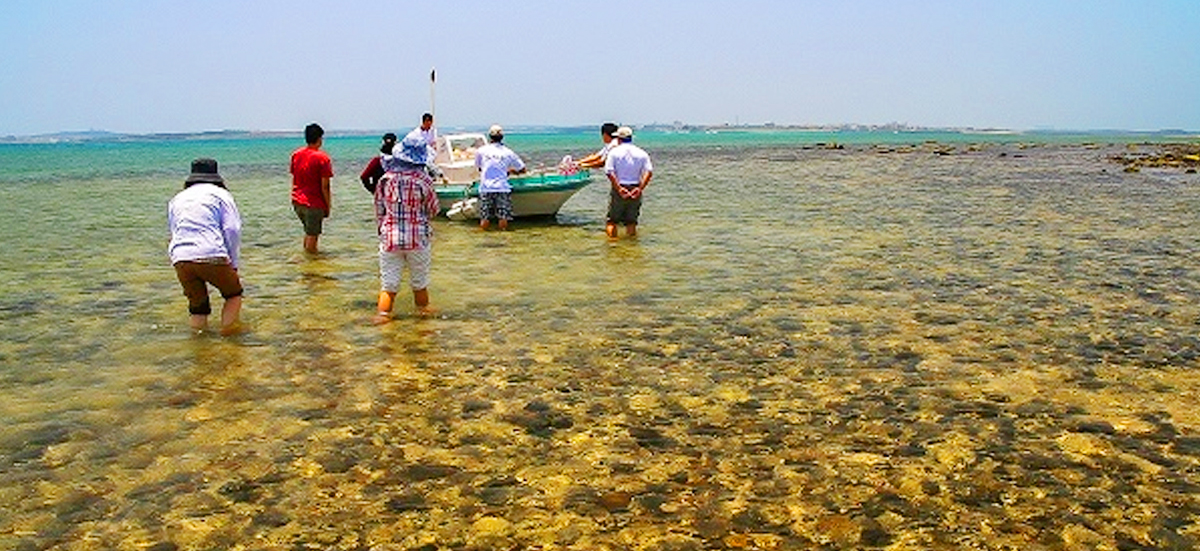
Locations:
405 201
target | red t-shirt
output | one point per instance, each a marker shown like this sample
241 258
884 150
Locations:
309 166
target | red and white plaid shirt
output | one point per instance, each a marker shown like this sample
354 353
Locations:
404 203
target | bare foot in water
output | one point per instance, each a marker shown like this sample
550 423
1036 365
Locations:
426 312
233 329
381 318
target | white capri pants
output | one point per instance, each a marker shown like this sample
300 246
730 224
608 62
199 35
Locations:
391 266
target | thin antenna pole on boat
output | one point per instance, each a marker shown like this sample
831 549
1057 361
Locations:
432 92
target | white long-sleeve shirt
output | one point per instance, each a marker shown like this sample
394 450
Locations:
204 224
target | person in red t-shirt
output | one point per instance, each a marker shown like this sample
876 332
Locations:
311 196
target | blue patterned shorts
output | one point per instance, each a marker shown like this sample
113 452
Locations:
495 206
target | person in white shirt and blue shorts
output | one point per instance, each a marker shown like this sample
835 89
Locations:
496 162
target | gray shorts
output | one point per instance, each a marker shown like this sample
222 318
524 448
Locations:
622 210
392 264
310 217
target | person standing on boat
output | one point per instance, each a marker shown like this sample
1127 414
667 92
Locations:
496 162
370 176
596 160
311 196
206 236
427 133
405 202
629 170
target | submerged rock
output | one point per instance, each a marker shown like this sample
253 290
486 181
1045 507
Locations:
240 491
407 502
651 438
421 471
271 518
615 501
540 419
841 531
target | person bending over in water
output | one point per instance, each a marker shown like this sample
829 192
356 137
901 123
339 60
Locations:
206 233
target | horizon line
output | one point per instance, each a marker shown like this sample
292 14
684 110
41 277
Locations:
894 126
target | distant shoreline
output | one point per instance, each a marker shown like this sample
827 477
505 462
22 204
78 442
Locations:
675 128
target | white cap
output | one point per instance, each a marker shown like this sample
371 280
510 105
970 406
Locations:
495 130
624 132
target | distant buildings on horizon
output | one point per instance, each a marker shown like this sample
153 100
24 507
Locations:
679 126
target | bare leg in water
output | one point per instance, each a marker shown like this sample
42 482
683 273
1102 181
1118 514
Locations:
386 300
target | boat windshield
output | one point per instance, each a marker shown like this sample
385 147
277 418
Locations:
462 148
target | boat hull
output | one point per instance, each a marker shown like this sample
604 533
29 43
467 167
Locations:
533 195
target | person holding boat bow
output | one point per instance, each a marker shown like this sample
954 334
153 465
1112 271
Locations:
496 162
596 160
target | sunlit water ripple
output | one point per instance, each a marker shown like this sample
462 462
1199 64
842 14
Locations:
900 347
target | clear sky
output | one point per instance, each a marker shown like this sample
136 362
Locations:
181 66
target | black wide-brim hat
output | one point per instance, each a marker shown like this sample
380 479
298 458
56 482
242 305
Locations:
204 171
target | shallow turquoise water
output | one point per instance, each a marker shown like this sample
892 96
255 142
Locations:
904 346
